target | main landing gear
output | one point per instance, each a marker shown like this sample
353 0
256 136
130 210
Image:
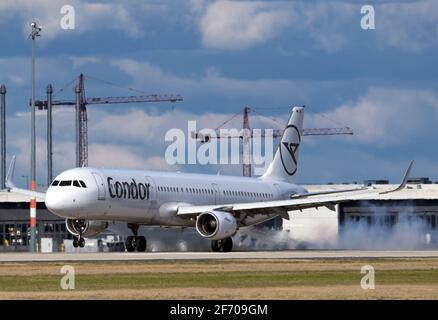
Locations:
224 245
135 241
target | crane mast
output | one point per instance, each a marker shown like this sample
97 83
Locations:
82 120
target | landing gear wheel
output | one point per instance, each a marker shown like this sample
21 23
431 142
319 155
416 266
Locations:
75 242
141 244
215 246
130 244
81 242
227 245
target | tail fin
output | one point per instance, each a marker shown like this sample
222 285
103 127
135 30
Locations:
285 163
10 174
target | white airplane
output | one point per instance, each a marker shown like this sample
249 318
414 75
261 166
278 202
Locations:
217 206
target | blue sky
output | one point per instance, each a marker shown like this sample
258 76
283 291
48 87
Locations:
221 56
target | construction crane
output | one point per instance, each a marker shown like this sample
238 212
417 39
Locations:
247 134
81 121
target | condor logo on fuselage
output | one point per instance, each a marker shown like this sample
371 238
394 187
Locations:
128 190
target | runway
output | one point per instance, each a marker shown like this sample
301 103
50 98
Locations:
155 256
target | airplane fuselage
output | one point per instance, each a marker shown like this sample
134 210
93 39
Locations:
152 197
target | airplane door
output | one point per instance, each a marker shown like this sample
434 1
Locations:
152 189
100 186
217 194
152 200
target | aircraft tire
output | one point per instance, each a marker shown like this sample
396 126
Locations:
141 244
130 244
81 242
75 242
227 244
216 246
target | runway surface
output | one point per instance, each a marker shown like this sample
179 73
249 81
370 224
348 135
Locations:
150 256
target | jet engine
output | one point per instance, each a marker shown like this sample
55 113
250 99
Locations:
216 225
85 228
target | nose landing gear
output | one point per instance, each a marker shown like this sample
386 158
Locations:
80 226
78 242
135 241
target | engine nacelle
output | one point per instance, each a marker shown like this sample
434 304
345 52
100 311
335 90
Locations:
216 225
87 228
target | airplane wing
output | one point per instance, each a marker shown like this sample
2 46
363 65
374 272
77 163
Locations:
253 212
279 207
39 196
332 191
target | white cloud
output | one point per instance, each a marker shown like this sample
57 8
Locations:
331 25
80 61
410 25
88 16
241 24
211 82
385 116
327 23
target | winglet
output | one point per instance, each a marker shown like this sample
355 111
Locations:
10 174
402 185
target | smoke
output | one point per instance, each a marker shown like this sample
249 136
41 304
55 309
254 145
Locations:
264 239
400 228
381 228
406 234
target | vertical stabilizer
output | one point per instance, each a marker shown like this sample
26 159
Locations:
285 163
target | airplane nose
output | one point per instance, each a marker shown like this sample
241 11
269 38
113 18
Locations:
59 204
52 201
62 204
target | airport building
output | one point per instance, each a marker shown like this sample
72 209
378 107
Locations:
15 227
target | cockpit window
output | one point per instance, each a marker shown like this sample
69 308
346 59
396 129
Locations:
82 184
55 183
65 183
76 183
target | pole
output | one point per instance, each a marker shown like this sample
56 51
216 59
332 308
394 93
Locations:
33 222
49 135
246 144
3 136
78 129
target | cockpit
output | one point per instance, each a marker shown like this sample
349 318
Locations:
73 193
68 183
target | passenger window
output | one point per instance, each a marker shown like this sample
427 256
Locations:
55 183
65 183
76 183
82 184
